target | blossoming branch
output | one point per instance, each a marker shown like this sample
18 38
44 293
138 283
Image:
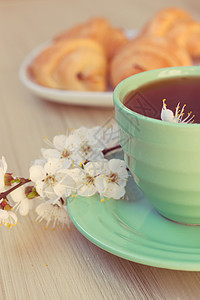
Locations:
73 165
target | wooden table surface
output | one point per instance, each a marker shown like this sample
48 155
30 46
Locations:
42 264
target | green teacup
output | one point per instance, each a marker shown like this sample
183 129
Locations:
163 157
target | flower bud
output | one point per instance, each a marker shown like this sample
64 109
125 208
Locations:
5 206
30 192
8 179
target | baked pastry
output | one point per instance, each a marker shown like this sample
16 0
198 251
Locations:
72 64
165 20
177 25
101 31
146 53
113 41
187 34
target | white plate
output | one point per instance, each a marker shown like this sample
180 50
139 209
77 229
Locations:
62 96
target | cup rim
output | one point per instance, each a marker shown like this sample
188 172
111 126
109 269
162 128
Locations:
194 71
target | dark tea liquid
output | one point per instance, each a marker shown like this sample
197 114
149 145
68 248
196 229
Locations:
147 100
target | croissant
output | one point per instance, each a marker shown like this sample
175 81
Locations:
72 64
177 25
187 34
164 20
143 54
94 28
113 41
101 31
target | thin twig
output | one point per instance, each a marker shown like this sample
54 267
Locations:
5 194
108 150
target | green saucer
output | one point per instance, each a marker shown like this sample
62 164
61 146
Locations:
132 229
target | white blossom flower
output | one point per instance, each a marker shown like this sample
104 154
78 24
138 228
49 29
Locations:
90 148
51 211
115 177
23 204
91 181
108 178
3 170
7 218
64 147
83 144
168 115
51 180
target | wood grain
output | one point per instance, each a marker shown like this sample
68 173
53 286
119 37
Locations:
44 264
